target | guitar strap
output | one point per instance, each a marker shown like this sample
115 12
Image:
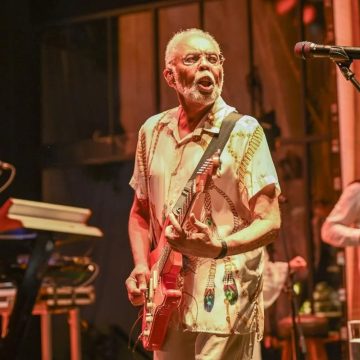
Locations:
219 140
217 143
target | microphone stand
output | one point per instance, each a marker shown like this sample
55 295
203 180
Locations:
298 344
343 61
348 74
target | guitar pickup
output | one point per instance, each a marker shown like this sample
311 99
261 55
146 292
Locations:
155 278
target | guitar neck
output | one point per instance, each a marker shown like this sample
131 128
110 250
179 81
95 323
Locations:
185 203
181 212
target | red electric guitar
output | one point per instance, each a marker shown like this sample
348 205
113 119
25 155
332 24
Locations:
163 295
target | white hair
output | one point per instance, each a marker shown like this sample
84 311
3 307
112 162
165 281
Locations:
180 35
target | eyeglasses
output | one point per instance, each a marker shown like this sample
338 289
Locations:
194 59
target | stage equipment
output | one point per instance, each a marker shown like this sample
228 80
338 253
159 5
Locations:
306 49
298 346
31 228
51 301
341 55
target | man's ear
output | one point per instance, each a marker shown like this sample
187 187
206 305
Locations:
169 77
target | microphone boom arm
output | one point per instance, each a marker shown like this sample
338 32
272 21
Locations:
342 56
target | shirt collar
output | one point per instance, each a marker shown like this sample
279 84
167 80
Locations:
211 121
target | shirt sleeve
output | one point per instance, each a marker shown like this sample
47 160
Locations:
339 227
257 167
139 178
262 168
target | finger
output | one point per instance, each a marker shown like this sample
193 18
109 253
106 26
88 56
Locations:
179 249
173 244
198 224
175 223
141 280
131 284
171 234
136 300
173 247
133 291
169 231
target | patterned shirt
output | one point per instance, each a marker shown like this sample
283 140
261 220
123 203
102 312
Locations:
219 296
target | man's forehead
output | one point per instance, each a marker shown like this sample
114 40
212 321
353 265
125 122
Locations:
196 43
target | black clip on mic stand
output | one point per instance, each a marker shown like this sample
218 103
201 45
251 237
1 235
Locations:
343 61
298 344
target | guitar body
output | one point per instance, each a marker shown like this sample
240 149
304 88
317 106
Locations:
162 297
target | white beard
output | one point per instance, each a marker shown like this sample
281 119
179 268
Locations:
192 93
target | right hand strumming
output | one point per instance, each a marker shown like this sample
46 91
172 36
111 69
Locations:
136 284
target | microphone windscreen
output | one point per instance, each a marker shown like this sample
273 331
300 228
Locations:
302 49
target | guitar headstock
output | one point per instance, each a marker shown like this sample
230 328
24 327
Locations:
207 171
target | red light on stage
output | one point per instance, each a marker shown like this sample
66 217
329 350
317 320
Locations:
284 6
309 14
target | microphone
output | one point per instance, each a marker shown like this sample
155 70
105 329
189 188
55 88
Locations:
306 49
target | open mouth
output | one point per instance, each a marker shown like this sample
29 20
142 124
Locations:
205 84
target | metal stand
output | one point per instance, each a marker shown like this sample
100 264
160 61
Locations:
75 342
46 330
343 61
28 290
298 344
348 74
46 314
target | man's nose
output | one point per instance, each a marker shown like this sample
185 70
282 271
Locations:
204 62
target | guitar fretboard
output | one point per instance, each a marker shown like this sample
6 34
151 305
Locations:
181 211
183 205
